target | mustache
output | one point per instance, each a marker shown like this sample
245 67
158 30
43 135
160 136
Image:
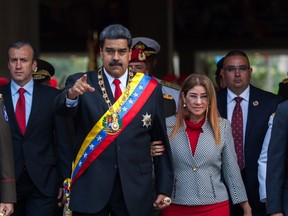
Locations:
115 63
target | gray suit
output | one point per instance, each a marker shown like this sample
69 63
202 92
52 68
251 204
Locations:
202 184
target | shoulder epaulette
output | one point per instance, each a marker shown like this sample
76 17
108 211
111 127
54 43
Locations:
171 85
167 96
285 80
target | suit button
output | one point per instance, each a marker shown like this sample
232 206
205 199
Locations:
194 169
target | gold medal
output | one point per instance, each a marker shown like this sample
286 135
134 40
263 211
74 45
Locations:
112 124
115 126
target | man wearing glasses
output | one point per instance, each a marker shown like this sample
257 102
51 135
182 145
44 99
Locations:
255 107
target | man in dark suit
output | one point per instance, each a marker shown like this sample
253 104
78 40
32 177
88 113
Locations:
41 144
277 164
257 106
112 172
7 172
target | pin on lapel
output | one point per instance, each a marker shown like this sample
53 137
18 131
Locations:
255 103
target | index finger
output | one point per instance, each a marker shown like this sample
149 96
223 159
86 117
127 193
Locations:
84 78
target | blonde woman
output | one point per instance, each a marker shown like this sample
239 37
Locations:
204 158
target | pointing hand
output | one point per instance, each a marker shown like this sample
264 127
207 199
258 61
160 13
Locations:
80 87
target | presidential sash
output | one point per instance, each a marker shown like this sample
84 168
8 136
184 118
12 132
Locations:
99 138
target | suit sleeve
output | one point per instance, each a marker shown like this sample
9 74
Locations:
277 160
64 135
7 170
59 105
163 164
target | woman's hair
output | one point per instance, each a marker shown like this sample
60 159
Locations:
211 112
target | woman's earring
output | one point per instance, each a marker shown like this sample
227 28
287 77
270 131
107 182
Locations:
184 105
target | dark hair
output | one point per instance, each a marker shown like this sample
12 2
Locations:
218 76
237 53
19 45
115 31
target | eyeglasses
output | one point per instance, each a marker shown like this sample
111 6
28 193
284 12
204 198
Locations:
233 69
194 97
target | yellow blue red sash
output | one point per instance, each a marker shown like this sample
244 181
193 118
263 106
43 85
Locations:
98 140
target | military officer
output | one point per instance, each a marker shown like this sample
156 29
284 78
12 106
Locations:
7 173
43 72
143 59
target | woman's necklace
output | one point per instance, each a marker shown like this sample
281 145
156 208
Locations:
113 123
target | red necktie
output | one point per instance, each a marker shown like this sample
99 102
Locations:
237 131
21 111
118 91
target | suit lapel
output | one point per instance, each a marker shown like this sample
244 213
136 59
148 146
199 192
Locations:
37 98
108 88
252 110
9 107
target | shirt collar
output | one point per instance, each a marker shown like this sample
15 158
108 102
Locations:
28 87
244 95
123 78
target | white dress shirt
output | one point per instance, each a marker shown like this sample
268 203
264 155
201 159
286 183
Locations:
28 96
231 102
262 161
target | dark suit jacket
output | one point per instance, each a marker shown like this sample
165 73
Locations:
7 173
257 125
283 89
129 154
45 148
277 163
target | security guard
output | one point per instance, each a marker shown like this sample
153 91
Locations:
143 59
43 72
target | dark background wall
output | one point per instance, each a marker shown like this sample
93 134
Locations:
184 26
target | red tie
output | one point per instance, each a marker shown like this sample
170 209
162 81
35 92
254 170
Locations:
21 111
118 91
237 131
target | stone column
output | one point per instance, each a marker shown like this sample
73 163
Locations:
18 22
154 19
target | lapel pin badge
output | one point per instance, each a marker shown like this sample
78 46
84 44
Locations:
255 103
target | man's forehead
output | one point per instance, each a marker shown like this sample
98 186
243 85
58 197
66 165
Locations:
235 59
22 51
116 43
